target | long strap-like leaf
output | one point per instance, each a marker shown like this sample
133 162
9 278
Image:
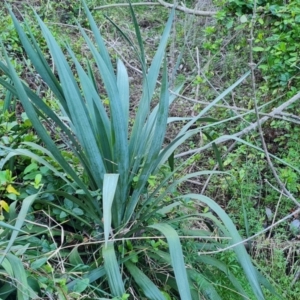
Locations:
112 270
176 258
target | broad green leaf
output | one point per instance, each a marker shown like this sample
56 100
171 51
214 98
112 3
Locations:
149 289
78 112
240 250
109 188
112 270
207 288
75 258
207 260
32 167
156 137
176 258
81 285
243 19
123 86
136 148
24 291
38 263
26 204
258 49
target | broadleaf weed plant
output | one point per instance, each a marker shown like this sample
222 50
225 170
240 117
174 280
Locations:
117 162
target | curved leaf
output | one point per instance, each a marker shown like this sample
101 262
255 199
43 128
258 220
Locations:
26 204
240 250
147 286
176 258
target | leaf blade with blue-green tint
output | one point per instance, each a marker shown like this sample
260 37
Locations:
207 288
148 89
22 95
207 260
178 264
109 188
112 269
78 111
149 289
26 204
240 250
123 86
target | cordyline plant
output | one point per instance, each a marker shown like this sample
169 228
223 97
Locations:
117 162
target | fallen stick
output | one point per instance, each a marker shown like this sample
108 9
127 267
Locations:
252 126
163 3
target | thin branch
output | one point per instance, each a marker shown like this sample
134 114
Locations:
252 126
275 214
188 10
148 238
163 3
296 277
273 113
125 4
253 236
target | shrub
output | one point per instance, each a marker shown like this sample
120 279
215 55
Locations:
109 186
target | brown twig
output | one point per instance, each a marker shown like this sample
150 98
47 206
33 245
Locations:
252 126
253 236
163 3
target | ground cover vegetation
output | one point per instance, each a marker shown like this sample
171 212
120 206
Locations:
133 165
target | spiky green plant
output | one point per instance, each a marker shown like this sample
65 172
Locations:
117 161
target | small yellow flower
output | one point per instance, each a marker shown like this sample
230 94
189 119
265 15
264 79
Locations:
4 205
10 189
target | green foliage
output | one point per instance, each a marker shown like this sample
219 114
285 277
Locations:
108 181
276 36
280 67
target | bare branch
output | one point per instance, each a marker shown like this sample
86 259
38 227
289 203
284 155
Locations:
253 236
252 126
163 3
